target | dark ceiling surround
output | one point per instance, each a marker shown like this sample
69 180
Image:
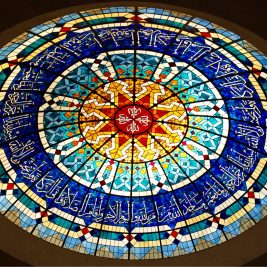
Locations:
249 14
247 18
21 248
245 249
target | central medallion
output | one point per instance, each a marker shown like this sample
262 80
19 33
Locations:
133 121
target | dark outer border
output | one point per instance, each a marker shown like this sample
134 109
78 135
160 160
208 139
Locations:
35 251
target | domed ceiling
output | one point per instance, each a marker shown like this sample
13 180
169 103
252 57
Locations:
132 133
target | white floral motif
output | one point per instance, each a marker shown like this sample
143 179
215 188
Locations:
134 113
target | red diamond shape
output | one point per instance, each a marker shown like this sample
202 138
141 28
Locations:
174 234
256 71
102 183
13 62
129 237
44 213
65 29
85 231
205 34
216 108
172 64
216 219
160 184
94 79
251 195
10 186
107 74
58 152
206 157
135 18
98 61
162 76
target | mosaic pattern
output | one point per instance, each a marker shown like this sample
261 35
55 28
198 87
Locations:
132 133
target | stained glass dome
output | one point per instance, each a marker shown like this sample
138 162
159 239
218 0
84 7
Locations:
132 133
